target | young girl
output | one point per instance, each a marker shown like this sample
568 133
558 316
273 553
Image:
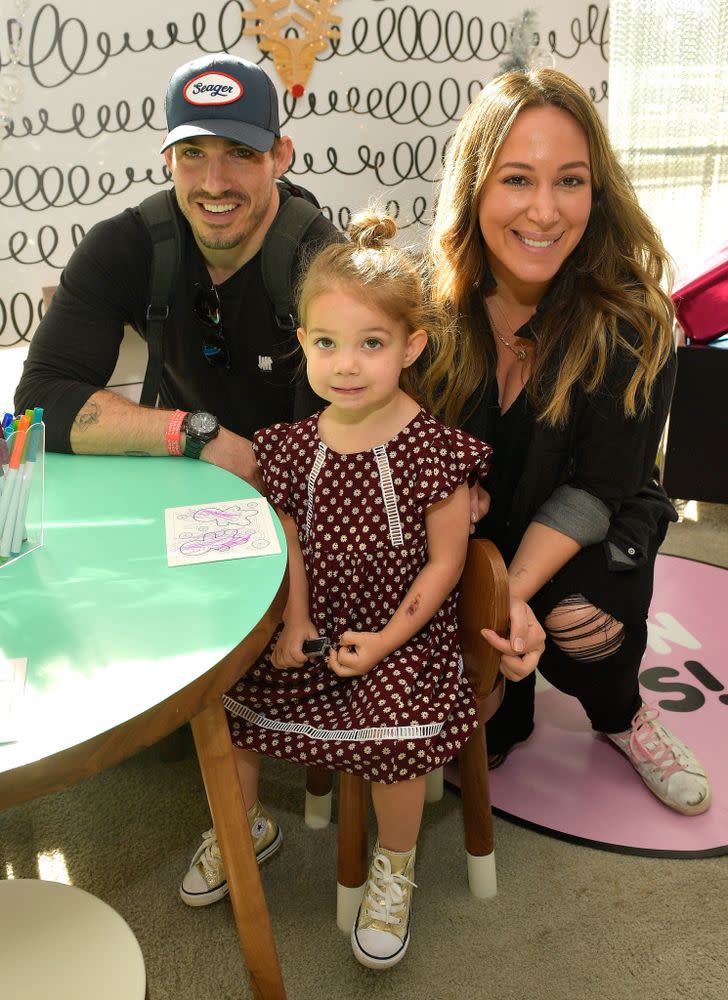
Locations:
373 497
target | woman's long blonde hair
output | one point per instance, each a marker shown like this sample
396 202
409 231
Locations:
613 274
390 278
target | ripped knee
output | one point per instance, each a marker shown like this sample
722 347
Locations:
583 631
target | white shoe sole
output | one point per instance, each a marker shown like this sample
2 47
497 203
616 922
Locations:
203 898
218 893
684 810
374 961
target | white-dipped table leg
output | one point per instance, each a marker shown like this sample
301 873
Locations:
481 875
317 813
348 902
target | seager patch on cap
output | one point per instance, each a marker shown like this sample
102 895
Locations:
213 88
225 96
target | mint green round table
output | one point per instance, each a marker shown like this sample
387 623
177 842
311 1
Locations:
123 649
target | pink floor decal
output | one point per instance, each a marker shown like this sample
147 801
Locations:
567 782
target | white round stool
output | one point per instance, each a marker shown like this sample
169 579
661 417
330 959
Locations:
59 941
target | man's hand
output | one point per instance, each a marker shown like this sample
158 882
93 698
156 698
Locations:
288 650
358 652
521 652
479 504
234 453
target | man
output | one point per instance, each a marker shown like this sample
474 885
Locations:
223 349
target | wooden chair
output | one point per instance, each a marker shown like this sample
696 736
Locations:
484 603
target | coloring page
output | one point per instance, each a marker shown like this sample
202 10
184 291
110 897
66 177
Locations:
231 529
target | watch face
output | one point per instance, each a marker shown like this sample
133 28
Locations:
202 425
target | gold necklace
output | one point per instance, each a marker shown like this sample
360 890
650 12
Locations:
520 352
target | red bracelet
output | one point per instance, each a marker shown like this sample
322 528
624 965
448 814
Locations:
172 434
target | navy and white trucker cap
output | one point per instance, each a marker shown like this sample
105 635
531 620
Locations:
225 96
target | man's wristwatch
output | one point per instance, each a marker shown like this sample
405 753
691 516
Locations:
199 428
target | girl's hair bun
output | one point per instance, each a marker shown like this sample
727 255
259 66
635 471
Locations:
371 230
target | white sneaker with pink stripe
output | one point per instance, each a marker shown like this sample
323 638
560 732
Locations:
669 769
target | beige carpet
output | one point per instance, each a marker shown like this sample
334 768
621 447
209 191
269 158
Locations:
569 922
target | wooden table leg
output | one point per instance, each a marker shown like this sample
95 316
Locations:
217 763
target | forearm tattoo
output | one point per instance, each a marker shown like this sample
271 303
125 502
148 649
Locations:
413 605
90 414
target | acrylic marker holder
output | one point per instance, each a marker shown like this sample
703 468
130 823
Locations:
22 496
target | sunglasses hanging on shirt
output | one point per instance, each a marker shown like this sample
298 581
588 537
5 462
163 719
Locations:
206 305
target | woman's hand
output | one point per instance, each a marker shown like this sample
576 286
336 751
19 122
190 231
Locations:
358 652
479 504
521 652
288 650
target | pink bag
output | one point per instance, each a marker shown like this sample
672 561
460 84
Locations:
702 302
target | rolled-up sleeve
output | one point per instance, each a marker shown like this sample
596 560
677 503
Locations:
575 513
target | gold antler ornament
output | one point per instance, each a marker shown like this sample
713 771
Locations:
293 56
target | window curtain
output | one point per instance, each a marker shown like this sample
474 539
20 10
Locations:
668 117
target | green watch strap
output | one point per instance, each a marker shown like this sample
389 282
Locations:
193 446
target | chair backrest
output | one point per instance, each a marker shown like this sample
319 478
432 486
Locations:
483 603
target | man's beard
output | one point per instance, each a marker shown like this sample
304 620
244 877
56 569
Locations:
228 241
222 244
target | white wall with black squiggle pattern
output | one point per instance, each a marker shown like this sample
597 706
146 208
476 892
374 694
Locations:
378 108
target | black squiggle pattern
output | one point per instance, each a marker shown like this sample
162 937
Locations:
400 103
37 190
18 314
108 120
59 48
42 247
404 162
593 32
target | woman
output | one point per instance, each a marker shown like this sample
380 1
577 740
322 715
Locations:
565 364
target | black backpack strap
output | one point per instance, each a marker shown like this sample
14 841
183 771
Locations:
159 215
280 246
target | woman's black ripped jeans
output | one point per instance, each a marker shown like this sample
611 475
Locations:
596 633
